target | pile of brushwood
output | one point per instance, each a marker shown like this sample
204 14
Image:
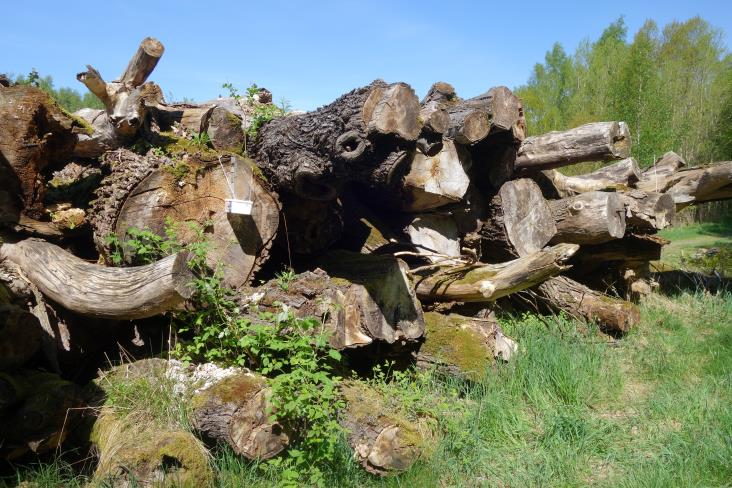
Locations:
402 225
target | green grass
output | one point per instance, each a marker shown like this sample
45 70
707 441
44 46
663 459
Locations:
685 240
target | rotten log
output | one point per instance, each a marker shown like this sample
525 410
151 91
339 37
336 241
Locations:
384 440
519 222
618 176
562 294
435 181
34 135
588 218
598 141
236 411
97 291
463 346
364 136
145 192
489 282
363 299
647 212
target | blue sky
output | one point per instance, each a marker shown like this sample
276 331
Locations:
312 52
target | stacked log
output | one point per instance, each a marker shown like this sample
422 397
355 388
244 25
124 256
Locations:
392 210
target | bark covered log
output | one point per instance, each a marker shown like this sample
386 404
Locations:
236 411
656 178
363 136
563 294
144 192
648 212
489 282
599 141
496 111
519 222
97 291
588 218
701 184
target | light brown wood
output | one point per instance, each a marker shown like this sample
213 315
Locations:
648 212
393 109
436 181
488 282
436 236
656 178
598 141
588 218
97 291
618 176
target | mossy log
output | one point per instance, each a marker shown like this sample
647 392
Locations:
364 136
562 294
97 291
463 346
384 440
588 218
37 412
617 176
35 134
145 191
235 411
362 299
489 282
518 222
134 453
598 141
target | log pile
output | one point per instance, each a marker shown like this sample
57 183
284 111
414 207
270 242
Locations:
391 209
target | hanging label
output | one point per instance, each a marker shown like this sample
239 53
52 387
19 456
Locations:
239 207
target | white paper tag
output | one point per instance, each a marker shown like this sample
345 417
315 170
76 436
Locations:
240 207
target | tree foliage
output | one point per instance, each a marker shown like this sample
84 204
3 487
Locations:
70 99
673 86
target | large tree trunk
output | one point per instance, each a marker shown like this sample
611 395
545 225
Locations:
236 411
96 291
563 294
144 192
363 136
34 135
588 218
618 176
489 282
519 222
599 141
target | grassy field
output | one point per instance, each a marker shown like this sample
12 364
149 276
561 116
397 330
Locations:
575 408
685 241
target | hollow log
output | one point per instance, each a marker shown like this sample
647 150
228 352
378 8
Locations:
618 176
463 346
97 291
599 141
489 282
613 315
656 178
144 192
364 136
588 218
435 181
362 299
647 212
37 412
34 135
384 440
519 222
132 453
235 411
